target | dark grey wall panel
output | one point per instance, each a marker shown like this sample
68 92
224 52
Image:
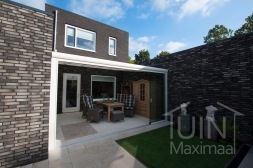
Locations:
103 32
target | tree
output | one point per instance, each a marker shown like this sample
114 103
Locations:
142 56
130 60
246 27
219 32
162 54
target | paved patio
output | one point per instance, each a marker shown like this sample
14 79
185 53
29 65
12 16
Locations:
103 127
96 153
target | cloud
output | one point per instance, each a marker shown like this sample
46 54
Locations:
128 3
146 39
142 5
143 16
162 5
186 7
143 39
204 6
35 4
135 45
106 9
174 46
140 43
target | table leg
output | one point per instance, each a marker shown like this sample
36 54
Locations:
122 108
109 113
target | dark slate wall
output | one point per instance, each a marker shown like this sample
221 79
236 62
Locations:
103 32
25 57
218 72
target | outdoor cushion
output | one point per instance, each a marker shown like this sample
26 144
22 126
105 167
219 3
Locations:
89 101
84 101
129 108
121 98
130 101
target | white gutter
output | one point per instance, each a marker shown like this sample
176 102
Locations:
78 59
55 30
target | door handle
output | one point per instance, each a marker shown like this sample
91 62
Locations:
150 100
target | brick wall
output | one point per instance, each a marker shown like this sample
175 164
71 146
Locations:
25 56
216 72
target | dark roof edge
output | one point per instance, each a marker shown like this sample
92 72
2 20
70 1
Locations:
212 43
28 7
86 17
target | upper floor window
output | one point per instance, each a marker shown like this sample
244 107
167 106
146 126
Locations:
80 38
112 46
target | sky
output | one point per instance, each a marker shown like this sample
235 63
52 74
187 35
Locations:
159 25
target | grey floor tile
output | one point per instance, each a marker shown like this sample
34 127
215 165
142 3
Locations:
42 164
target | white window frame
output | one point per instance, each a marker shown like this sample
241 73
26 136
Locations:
75 37
114 46
64 91
114 86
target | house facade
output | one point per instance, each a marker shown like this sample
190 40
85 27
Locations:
79 35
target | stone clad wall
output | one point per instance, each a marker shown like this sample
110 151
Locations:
25 57
217 72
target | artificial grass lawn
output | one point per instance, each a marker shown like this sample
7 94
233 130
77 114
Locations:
153 149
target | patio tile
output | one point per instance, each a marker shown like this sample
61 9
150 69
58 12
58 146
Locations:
139 166
92 144
42 164
59 162
75 147
111 145
86 162
103 127
27 166
65 166
72 140
102 159
119 136
97 150
118 152
112 164
105 140
130 160
57 153
79 155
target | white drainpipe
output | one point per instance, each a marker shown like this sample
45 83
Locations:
55 30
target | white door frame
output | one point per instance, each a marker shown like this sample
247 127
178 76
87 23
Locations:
71 109
77 60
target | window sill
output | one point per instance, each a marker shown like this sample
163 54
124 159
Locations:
78 48
113 55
